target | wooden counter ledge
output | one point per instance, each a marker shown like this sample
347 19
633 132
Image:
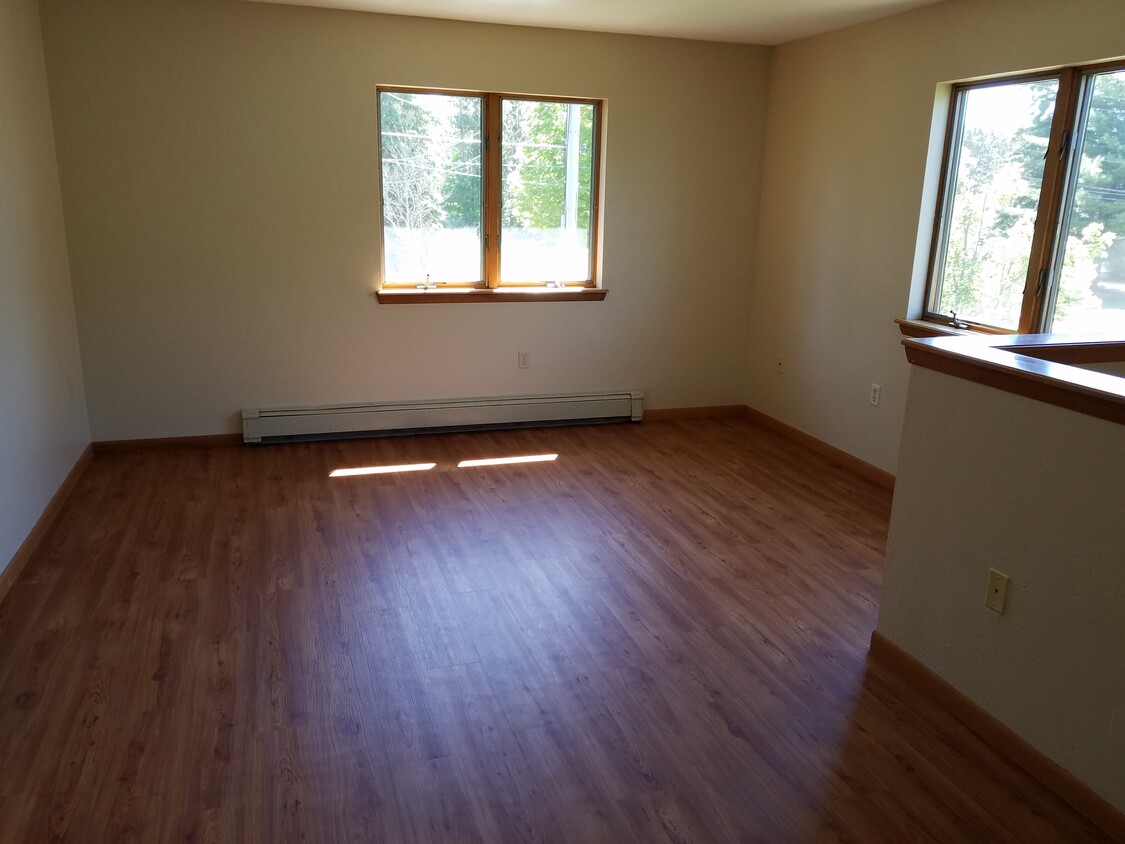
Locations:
1039 366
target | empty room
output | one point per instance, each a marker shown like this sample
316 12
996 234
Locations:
573 421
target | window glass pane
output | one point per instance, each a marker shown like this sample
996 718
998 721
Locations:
547 191
431 147
1090 295
989 219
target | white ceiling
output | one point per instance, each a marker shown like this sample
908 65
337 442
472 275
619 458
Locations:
739 21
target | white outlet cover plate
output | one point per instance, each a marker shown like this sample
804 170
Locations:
997 598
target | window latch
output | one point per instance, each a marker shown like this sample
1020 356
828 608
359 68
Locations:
1042 283
1064 147
956 323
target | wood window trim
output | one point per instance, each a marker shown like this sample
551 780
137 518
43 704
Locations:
492 105
479 295
933 328
1038 366
1060 148
492 190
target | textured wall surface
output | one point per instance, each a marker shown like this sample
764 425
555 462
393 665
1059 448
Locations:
219 165
989 479
43 427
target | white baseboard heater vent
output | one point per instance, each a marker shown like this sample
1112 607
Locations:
288 424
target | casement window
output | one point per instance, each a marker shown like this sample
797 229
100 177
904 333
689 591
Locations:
488 190
1030 229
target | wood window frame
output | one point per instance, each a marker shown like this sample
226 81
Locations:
492 173
1061 147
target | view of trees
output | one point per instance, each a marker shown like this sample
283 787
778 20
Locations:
547 156
999 174
534 156
432 153
1100 196
996 193
432 167
1095 247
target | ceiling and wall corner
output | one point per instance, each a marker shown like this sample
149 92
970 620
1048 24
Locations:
763 22
43 426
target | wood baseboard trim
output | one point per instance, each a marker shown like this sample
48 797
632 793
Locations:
889 657
670 414
166 443
29 546
848 461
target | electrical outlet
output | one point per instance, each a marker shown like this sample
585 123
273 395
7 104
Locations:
875 390
523 360
997 597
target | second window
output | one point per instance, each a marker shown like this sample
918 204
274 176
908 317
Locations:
1030 235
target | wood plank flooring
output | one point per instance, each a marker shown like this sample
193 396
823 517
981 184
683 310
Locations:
658 637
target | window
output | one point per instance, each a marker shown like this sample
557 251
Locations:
1030 231
488 190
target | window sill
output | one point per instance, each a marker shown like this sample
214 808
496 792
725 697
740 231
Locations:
925 328
921 328
445 296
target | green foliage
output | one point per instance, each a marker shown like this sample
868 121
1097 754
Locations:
410 145
1100 194
433 158
997 193
535 164
1085 252
462 187
1101 197
989 234
432 161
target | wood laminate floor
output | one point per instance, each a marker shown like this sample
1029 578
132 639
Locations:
660 636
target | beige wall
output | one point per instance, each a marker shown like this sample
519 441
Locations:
219 172
43 427
850 120
1046 511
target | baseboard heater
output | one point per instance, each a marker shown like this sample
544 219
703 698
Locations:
289 424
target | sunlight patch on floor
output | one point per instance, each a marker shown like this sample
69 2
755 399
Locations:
505 461
381 470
